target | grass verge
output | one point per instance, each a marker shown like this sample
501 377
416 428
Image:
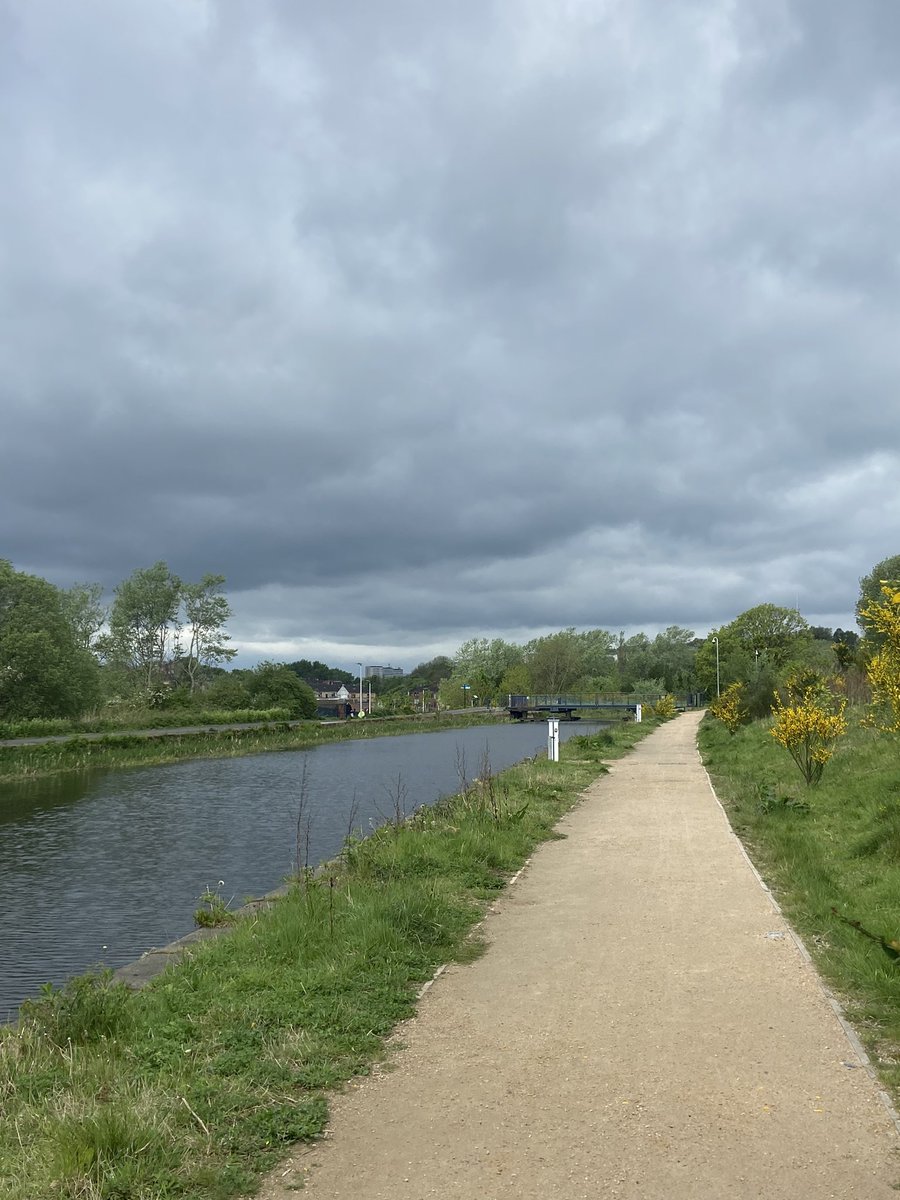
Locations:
196 1085
831 854
132 750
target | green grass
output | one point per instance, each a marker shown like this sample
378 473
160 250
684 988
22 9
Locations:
832 846
197 1084
124 750
132 719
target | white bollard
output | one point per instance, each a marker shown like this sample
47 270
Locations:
553 741
637 712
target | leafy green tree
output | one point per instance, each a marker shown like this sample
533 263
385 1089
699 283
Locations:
311 670
516 682
143 621
430 674
765 637
554 662
274 685
482 664
672 656
83 605
887 571
228 691
45 671
598 653
205 610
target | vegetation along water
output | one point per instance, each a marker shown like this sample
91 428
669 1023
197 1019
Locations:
194 1085
101 866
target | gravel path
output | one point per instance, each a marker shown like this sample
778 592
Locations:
642 1027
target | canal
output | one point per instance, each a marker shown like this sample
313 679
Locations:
98 867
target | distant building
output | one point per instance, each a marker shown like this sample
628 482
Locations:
330 689
384 672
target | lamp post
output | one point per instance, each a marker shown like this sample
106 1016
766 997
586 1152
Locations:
718 690
360 687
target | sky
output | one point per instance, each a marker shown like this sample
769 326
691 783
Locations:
422 322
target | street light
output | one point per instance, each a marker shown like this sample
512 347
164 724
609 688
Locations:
718 691
360 687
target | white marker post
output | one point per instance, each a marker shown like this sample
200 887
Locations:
553 741
637 712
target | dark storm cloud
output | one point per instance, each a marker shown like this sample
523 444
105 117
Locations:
418 323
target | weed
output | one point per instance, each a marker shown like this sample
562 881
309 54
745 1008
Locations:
214 910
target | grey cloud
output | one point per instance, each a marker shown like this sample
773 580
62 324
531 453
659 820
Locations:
418 323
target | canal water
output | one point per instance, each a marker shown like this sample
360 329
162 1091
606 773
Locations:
97 868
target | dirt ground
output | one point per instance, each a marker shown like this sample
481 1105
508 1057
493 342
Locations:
643 1027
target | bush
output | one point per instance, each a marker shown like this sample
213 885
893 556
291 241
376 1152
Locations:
808 731
730 708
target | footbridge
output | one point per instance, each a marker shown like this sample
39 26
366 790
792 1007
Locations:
523 708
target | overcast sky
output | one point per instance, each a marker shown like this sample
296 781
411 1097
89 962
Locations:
424 321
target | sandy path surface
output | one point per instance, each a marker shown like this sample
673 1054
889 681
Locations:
642 1027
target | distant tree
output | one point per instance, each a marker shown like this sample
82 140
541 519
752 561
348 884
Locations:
780 632
274 685
821 633
85 612
554 662
848 636
598 652
887 571
143 621
205 610
765 636
516 682
430 673
311 671
672 657
45 671
228 691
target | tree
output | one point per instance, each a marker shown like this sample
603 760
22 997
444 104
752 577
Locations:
274 685
779 632
554 662
887 571
311 670
482 664
85 612
206 610
672 655
430 674
44 670
752 650
143 621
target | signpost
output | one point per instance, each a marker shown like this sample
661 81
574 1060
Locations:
553 740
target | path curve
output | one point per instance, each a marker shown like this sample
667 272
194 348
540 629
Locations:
642 1027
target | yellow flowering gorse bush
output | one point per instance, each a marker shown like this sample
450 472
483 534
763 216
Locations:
883 668
729 708
665 707
808 731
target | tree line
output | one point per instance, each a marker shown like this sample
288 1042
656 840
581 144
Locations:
162 643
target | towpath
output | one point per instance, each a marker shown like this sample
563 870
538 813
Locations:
642 1027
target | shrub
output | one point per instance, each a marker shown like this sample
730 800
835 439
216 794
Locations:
664 708
730 708
883 668
808 730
